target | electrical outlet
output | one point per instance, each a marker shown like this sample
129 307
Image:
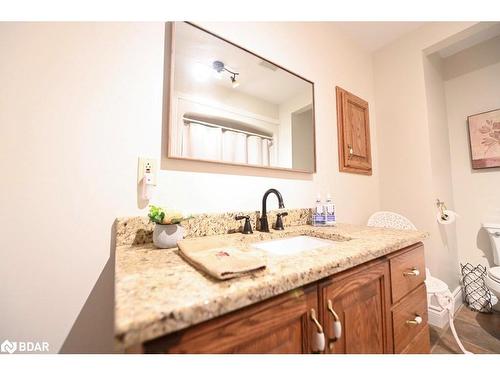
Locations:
147 165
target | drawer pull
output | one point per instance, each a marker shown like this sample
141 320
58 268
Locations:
418 320
337 324
318 341
414 272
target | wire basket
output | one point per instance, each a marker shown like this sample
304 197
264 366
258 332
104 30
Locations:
476 294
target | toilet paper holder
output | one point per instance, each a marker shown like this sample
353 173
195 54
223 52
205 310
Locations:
442 208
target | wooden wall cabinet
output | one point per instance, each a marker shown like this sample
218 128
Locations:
353 129
382 307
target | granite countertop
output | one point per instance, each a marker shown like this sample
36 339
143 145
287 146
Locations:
157 292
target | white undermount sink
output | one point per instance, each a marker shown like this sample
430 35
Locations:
292 245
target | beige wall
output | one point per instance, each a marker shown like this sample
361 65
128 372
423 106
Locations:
303 140
446 259
406 177
79 103
476 192
286 109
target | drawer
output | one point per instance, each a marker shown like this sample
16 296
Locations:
405 313
407 272
420 344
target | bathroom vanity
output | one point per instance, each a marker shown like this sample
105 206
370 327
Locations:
378 309
370 279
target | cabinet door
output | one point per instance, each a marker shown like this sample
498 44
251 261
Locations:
353 126
361 299
280 325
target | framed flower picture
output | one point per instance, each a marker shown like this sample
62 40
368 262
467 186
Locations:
484 136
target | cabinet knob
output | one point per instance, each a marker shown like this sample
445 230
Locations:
414 272
416 321
351 151
318 341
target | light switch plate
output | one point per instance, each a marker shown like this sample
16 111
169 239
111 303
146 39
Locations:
143 165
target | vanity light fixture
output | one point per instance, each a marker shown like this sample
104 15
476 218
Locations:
220 67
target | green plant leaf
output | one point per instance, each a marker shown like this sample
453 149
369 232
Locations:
159 215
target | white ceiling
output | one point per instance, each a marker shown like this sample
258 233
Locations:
375 35
490 32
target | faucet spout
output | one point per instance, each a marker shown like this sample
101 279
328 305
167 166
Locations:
264 225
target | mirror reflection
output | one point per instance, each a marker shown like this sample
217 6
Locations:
229 105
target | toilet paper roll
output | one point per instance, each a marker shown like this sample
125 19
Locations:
450 217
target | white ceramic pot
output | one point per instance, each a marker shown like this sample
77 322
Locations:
165 236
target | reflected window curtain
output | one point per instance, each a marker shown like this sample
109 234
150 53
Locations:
254 145
213 143
234 147
202 142
265 151
185 151
272 155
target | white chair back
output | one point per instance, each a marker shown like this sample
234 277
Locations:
387 219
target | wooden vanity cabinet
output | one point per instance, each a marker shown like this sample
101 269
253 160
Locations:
279 325
361 300
409 301
381 304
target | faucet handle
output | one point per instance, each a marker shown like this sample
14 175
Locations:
247 228
279 220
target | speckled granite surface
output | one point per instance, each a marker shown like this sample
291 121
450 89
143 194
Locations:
157 292
139 231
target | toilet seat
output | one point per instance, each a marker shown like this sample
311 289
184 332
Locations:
435 285
494 274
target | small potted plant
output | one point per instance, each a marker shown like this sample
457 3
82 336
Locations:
167 229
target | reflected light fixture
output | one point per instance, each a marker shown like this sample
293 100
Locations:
220 67
234 81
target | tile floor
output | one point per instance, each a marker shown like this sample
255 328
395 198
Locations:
479 333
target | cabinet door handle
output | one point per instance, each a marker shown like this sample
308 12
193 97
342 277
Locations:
351 151
318 342
416 321
337 325
414 272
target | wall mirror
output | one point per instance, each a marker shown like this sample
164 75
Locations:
228 105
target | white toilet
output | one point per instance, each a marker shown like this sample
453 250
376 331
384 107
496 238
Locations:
492 280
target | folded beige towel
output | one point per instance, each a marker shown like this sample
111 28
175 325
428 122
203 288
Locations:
220 259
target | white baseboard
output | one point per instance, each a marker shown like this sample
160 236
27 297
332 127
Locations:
439 317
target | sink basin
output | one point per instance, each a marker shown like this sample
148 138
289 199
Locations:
292 245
